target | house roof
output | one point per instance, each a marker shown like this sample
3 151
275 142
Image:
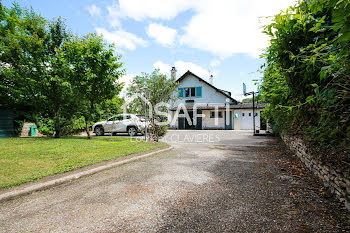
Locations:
202 80
249 105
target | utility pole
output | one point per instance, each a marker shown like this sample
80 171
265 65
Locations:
149 97
254 113
251 93
146 140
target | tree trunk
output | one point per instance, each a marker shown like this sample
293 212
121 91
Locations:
87 121
87 127
57 122
57 133
57 126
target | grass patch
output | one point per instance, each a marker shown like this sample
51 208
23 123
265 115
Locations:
28 159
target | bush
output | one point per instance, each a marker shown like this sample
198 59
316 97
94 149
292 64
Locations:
306 75
74 126
158 131
45 126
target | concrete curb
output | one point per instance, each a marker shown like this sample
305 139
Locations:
41 186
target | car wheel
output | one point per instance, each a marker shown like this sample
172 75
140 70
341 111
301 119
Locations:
132 131
99 131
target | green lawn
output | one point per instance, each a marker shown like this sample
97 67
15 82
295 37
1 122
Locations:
28 159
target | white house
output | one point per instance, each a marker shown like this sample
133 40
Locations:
200 105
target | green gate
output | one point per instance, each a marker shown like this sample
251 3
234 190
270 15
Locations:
6 124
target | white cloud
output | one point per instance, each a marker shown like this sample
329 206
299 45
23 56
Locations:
222 27
141 9
162 34
215 62
163 67
122 39
94 10
155 9
114 16
228 27
126 79
182 68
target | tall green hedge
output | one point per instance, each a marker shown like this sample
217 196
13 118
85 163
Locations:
307 73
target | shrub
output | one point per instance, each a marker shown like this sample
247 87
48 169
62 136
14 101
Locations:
306 75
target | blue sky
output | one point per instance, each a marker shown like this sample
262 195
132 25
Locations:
221 37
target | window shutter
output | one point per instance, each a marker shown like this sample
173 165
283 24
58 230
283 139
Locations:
181 92
198 91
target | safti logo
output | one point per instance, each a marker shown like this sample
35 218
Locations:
181 111
192 138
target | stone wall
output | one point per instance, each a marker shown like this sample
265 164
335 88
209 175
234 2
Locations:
337 180
26 129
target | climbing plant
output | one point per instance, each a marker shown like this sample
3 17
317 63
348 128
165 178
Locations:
307 73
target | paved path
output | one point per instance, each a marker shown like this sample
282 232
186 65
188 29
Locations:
213 181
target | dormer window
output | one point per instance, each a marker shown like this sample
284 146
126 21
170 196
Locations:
187 92
193 91
190 92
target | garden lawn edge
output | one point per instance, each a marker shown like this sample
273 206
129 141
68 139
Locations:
42 185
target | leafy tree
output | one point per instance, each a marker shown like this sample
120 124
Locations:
49 76
306 74
108 108
22 46
156 88
55 86
96 71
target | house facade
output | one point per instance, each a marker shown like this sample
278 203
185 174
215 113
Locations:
200 105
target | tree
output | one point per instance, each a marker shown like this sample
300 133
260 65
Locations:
108 108
96 71
51 77
55 86
156 88
22 45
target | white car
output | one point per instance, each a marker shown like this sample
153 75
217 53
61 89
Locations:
123 123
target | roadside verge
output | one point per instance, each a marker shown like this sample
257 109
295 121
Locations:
45 185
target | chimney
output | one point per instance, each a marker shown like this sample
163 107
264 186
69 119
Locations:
211 79
173 72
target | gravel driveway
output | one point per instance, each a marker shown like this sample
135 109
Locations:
213 181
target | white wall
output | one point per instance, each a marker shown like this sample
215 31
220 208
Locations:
237 121
208 122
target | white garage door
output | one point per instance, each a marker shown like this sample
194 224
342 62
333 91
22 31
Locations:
246 120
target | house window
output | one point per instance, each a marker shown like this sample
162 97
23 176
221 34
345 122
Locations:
250 114
242 114
256 114
187 92
212 114
193 91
